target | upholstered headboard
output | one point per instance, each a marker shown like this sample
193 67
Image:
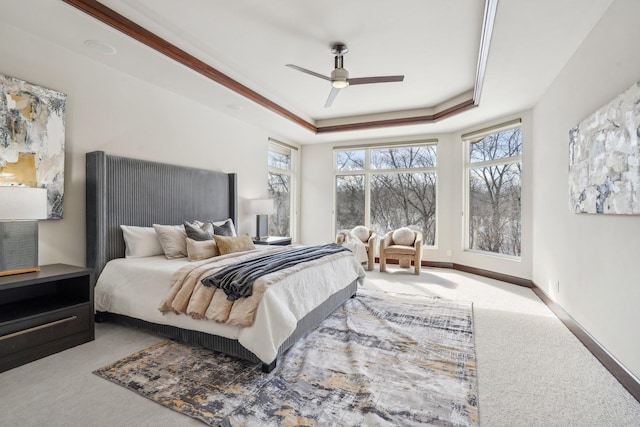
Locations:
128 191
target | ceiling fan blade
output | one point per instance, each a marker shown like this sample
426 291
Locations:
332 96
381 79
304 70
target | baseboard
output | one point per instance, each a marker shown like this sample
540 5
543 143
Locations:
628 380
423 263
493 275
477 271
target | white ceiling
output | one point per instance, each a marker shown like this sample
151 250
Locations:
433 43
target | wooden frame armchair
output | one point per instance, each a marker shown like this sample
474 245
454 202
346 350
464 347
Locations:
402 244
367 237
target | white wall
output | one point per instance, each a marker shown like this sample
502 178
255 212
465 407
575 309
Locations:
594 257
111 111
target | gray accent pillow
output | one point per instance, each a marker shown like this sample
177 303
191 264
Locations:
225 229
199 231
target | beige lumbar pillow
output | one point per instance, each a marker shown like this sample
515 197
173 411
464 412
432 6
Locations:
173 240
201 249
403 236
231 244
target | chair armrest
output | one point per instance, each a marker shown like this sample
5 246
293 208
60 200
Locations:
418 240
418 245
373 237
385 241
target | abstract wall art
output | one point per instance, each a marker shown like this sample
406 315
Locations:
32 136
604 158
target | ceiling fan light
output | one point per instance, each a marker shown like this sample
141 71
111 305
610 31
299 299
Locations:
339 84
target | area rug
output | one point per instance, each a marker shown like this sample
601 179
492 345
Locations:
381 359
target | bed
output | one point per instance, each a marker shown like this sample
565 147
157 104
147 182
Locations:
125 191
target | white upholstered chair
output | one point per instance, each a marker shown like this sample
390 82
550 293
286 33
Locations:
366 236
403 244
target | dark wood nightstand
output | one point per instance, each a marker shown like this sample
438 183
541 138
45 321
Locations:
44 313
271 240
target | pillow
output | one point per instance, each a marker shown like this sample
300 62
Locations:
361 232
140 241
173 240
226 229
231 244
199 230
229 221
403 236
199 250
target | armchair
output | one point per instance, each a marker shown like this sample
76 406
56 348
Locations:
402 244
366 236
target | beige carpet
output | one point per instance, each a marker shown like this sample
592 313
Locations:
531 370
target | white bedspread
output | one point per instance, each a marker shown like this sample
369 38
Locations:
135 286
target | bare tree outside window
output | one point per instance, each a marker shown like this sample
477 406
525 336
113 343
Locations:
279 188
350 201
495 186
279 222
402 189
350 160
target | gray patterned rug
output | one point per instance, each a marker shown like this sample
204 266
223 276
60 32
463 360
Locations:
381 359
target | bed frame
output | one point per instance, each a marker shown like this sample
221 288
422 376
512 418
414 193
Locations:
125 191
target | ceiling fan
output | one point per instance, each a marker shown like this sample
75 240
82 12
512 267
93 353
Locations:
340 76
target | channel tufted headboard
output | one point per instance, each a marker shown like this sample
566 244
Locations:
125 191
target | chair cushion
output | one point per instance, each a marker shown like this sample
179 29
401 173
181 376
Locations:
399 250
361 232
404 236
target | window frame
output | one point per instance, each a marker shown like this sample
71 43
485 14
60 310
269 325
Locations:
468 140
286 149
368 172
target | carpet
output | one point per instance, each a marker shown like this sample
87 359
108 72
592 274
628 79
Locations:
381 359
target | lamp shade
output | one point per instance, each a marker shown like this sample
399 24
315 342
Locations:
261 206
23 203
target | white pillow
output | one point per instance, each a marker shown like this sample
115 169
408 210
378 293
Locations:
140 242
203 249
361 232
173 240
404 236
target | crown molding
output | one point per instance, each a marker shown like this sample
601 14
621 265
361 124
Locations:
126 26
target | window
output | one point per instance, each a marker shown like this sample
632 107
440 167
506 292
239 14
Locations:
494 169
281 183
385 188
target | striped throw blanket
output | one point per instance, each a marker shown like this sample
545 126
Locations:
237 280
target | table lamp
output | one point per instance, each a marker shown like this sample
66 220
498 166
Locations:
20 208
262 208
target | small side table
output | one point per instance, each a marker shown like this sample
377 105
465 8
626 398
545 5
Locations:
272 240
44 313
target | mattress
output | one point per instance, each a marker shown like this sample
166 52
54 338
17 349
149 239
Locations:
135 287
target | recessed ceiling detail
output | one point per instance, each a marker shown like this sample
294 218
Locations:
412 116
100 46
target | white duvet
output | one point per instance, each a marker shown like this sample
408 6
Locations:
135 287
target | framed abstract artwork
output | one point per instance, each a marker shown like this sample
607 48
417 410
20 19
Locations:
32 137
604 158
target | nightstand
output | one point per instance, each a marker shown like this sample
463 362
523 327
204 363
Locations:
45 312
271 240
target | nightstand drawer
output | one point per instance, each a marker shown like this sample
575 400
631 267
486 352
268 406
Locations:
43 329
